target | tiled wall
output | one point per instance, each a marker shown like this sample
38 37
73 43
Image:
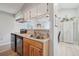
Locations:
33 24
44 33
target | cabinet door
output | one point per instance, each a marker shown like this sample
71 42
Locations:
42 9
27 15
26 49
34 51
19 15
30 48
33 12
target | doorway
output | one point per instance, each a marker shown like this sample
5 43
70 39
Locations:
66 21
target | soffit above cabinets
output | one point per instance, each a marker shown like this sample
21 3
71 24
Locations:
11 8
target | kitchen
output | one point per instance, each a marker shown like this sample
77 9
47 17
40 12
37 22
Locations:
30 25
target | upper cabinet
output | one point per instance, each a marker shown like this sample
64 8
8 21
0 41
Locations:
19 15
33 12
42 9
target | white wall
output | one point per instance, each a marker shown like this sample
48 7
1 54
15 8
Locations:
76 30
6 27
67 12
28 6
78 18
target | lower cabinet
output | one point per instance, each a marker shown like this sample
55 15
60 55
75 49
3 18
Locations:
32 48
34 51
28 47
25 49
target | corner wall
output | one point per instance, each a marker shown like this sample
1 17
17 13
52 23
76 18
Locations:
6 27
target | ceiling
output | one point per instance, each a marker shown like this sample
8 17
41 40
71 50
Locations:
10 7
68 5
13 8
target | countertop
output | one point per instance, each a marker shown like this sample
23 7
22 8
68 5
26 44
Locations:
28 36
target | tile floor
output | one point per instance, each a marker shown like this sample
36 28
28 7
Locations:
66 49
8 53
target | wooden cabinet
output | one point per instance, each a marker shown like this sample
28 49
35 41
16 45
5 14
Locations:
34 51
32 48
25 48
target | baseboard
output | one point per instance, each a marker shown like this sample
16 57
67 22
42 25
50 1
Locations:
4 47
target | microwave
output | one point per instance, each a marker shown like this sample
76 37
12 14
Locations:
22 31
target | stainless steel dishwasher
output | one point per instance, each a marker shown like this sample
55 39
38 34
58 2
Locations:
19 45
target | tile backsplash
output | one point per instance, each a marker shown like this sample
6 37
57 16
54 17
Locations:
39 33
44 24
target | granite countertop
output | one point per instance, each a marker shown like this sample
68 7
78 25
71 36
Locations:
28 36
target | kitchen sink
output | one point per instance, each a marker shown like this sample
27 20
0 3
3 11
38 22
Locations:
38 37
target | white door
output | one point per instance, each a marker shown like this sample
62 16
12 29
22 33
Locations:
68 31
